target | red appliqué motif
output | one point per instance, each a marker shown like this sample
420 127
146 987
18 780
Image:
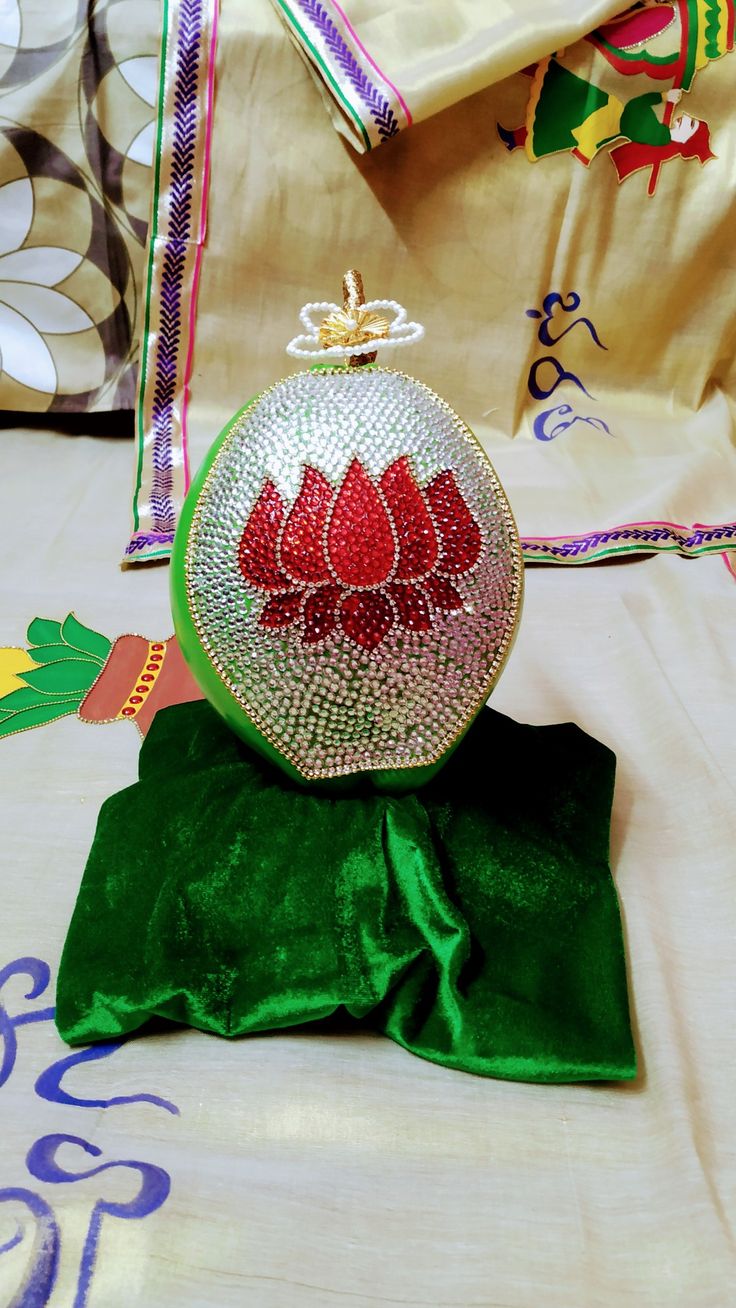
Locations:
366 556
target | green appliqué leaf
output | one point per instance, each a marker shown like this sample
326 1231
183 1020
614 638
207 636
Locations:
44 631
26 697
70 657
84 639
35 717
70 676
70 636
54 653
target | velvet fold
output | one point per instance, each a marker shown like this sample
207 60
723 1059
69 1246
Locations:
475 922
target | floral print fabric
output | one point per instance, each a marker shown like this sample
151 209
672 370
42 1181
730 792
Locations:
78 87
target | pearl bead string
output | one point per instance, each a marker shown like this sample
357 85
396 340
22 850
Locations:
307 346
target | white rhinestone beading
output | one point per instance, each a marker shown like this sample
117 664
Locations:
333 708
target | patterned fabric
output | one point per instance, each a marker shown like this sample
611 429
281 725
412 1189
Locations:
634 538
620 87
371 103
175 250
563 229
78 87
375 61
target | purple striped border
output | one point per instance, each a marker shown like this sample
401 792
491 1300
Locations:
177 233
641 536
377 104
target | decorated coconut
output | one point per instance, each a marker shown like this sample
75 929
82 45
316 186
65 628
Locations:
346 576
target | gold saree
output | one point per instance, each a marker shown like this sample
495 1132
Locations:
385 66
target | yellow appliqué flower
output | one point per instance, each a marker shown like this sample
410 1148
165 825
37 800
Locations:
13 661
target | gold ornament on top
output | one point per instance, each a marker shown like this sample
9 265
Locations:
354 324
344 328
350 333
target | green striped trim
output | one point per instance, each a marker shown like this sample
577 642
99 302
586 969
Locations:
152 554
641 547
327 71
631 56
693 19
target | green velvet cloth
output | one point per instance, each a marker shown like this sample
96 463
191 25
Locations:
475 922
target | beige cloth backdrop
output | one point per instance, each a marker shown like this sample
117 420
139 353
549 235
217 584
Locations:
469 237
310 1171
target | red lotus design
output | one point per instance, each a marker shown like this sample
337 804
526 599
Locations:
371 556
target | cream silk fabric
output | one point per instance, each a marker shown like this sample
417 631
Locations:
430 53
471 236
312 1170
316 1170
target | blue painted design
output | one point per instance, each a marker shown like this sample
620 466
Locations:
154 1191
48 1085
539 392
40 974
43 1262
41 1265
548 304
562 423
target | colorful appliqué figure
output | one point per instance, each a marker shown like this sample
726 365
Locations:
581 103
70 669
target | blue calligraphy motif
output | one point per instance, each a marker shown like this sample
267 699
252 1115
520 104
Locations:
154 1191
43 1263
48 1085
40 974
548 304
561 423
539 392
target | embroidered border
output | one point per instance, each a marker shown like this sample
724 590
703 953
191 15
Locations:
350 30
632 537
373 101
178 226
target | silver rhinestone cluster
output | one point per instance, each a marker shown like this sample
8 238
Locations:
333 708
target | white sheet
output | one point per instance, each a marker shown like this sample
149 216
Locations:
311 1171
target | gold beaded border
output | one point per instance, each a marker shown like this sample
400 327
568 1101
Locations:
517 586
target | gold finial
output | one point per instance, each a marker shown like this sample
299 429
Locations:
354 325
353 295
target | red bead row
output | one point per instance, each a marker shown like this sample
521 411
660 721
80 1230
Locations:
144 682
